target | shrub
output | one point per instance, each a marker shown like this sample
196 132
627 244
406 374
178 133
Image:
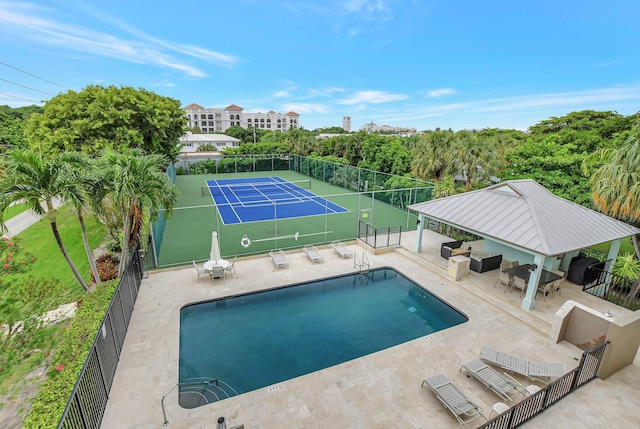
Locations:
63 370
107 265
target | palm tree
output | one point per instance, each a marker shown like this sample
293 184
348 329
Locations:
615 185
432 155
77 168
476 159
36 181
135 182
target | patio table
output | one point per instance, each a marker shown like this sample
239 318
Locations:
524 272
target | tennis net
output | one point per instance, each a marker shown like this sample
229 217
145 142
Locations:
252 188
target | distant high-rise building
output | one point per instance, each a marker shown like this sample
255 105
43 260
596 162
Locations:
346 123
215 119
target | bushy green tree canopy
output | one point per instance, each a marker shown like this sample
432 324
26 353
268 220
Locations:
112 117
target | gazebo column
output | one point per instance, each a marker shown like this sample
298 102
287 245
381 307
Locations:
614 250
419 233
534 280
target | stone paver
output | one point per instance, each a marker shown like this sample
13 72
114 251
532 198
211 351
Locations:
381 390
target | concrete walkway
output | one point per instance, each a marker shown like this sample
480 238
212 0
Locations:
24 220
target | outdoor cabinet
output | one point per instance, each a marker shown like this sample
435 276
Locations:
458 267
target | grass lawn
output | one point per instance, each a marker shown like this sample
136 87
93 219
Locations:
38 239
14 210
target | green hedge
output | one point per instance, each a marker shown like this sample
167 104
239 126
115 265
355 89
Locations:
67 361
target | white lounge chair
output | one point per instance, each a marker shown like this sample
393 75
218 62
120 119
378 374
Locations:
313 254
341 249
200 270
454 400
279 259
543 371
505 386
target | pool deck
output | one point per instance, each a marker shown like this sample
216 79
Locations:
381 390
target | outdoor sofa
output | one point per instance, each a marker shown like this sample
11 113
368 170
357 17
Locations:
480 263
453 248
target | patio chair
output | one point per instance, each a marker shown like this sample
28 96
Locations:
542 371
279 259
549 288
505 386
231 269
557 286
217 272
520 284
504 279
341 249
313 254
200 270
454 400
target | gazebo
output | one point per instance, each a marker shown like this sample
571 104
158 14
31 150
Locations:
524 221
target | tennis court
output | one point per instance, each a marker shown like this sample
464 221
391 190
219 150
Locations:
242 200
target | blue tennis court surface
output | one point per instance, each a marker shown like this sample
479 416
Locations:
267 198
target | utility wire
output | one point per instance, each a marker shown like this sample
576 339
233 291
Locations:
33 75
19 98
32 89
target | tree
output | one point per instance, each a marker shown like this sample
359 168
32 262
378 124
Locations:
476 159
36 182
115 118
615 185
433 155
77 172
556 167
445 187
587 129
136 182
242 134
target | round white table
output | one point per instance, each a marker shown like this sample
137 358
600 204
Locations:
220 263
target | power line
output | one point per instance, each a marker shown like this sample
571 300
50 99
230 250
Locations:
32 89
19 98
33 75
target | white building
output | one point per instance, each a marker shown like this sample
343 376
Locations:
191 142
214 119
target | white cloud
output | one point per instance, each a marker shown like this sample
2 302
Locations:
374 97
307 108
37 24
440 92
327 91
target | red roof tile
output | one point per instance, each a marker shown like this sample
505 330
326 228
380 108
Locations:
293 114
194 106
233 107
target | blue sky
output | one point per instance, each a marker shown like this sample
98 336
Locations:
456 64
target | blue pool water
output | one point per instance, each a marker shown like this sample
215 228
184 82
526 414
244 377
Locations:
260 339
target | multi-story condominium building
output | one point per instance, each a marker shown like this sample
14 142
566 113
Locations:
215 119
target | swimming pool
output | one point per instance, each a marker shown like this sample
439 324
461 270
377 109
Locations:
261 339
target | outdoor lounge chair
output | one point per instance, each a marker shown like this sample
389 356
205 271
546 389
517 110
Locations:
505 386
278 258
533 370
341 249
313 254
454 400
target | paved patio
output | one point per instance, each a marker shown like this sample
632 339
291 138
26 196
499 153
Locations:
381 390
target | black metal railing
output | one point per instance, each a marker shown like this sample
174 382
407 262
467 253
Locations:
614 288
379 238
88 399
552 393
